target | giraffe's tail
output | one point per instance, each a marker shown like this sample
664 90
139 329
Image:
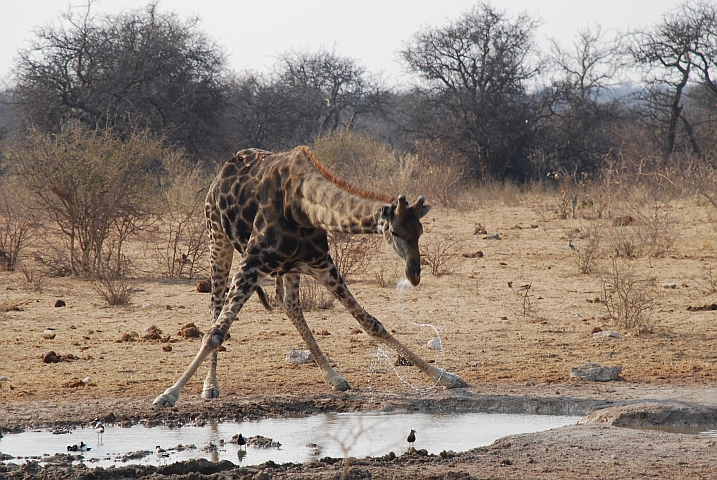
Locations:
264 299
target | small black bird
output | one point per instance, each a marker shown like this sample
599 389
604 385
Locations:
241 441
411 437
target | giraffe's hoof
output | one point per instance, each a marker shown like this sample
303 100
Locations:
451 380
210 393
165 400
340 385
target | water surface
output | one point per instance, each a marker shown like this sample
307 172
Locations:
302 439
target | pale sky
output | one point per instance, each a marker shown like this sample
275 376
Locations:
254 32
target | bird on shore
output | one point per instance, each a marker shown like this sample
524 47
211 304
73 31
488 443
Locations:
99 428
161 453
241 441
411 437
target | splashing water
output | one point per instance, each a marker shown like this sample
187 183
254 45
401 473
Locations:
402 286
381 356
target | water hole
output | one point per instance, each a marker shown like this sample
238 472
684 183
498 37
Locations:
302 439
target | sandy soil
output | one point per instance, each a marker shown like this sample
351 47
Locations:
514 349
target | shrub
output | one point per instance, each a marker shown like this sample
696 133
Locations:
18 228
94 186
441 253
352 254
181 251
629 299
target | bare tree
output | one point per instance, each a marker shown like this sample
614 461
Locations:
138 69
474 74
675 53
583 110
338 88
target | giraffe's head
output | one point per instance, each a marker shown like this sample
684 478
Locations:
402 228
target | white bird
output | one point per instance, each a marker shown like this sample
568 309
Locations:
99 428
160 452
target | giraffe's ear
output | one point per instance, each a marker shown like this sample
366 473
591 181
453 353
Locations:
420 207
387 211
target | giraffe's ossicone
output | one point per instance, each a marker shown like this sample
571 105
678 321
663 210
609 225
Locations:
276 210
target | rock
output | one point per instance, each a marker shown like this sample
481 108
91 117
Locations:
74 382
594 372
189 331
607 333
435 344
495 236
128 337
703 308
48 333
205 286
152 333
167 348
51 357
60 303
653 413
402 361
299 357
669 285
262 442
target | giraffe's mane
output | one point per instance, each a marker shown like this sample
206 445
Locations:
342 184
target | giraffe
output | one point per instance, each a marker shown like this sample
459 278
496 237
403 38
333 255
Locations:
276 210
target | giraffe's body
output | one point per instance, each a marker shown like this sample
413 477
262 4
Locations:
276 210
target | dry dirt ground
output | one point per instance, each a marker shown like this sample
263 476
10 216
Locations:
515 347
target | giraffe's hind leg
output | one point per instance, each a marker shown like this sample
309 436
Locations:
221 252
333 281
291 306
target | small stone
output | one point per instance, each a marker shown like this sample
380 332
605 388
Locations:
607 333
402 361
48 333
434 344
151 333
669 285
594 372
298 357
189 331
60 303
167 348
51 357
205 286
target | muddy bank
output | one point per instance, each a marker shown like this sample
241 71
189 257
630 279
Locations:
595 448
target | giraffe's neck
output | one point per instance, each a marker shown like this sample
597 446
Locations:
326 206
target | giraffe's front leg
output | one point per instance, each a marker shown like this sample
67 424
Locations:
242 288
292 308
211 341
210 390
331 278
